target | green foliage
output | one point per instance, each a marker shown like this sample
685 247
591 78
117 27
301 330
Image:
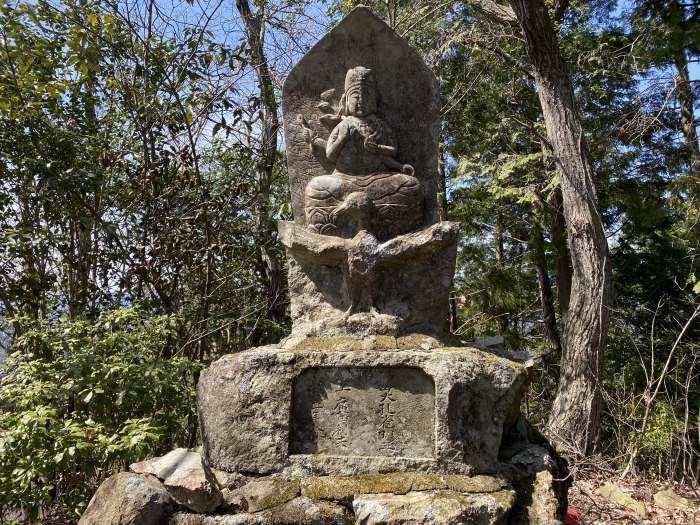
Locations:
81 398
116 185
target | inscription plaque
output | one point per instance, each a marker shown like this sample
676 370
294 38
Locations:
363 411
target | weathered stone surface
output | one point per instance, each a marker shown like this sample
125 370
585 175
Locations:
478 483
544 508
617 495
194 488
229 480
440 507
494 342
186 478
380 411
244 408
264 493
347 343
369 188
163 466
129 499
534 458
343 488
539 475
362 287
361 120
299 511
669 500
233 502
317 96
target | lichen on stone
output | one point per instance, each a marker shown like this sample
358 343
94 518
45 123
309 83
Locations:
343 488
328 344
265 493
479 483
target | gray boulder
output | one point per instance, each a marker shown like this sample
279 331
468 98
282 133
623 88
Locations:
186 478
262 494
669 500
129 499
299 511
443 506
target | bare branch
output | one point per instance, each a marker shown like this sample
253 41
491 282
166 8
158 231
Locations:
497 12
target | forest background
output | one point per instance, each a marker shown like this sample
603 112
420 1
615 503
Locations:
142 170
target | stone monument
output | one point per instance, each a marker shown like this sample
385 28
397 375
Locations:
369 412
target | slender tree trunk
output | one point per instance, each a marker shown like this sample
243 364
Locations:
562 265
575 418
442 214
686 99
503 316
539 259
687 103
442 185
498 240
271 269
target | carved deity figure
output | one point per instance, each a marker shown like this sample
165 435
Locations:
369 188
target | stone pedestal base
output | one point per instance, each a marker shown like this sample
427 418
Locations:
519 494
338 431
325 411
389 499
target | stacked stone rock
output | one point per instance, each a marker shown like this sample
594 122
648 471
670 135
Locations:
370 412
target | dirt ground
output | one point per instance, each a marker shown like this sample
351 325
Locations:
594 509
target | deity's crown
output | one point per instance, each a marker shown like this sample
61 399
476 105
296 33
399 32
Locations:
359 77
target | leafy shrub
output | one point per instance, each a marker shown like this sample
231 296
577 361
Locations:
80 399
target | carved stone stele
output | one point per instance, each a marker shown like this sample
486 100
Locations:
362 56
366 255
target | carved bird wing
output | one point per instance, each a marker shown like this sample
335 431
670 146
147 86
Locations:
328 95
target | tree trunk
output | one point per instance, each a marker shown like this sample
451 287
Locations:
575 418
498 240
443 216
562 266
270 268
442 185
539 259
687 103
503 317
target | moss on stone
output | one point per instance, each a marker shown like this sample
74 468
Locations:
505 498
328 344
267 493
302 511
480 483
417 342
379 343
343 488
421 481
609 491
486 356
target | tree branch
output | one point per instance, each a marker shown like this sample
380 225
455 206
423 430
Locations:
502 14
558 10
